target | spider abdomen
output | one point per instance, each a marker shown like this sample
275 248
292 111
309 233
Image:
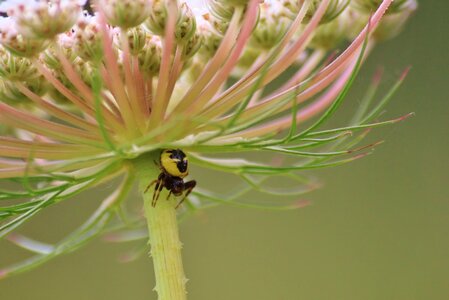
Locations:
174 162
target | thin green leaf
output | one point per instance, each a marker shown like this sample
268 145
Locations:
302 153
379 108
245 166
13 224
359 127
90 229
367 99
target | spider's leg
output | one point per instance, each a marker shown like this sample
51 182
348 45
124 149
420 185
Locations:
157 191
150 185
158 188
188 186
168 196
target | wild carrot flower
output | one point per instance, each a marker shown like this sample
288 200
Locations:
89 98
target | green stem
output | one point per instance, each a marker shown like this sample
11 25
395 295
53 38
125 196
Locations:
164 235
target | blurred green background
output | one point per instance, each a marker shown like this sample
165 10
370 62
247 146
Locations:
379 229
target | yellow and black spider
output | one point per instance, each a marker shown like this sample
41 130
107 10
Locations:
174 167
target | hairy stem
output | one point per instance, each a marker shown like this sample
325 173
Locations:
164 236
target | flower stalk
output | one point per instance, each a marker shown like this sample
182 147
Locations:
163 234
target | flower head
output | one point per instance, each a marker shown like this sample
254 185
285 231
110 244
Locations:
140 76
41 18
125 14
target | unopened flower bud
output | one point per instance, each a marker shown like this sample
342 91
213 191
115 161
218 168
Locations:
158 17
334 9
88 38
191 47
224 9
16 68
186 24
136 39
149 57
65 44
18 44
125 13
271 27
43 19
10 94
291 7
219 25
84 70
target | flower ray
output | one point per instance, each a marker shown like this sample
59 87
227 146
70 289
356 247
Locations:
137 107
31 123
117 87
252 74
211 68
245 30
162 97
56 111
84 107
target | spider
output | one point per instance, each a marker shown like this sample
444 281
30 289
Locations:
174 167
